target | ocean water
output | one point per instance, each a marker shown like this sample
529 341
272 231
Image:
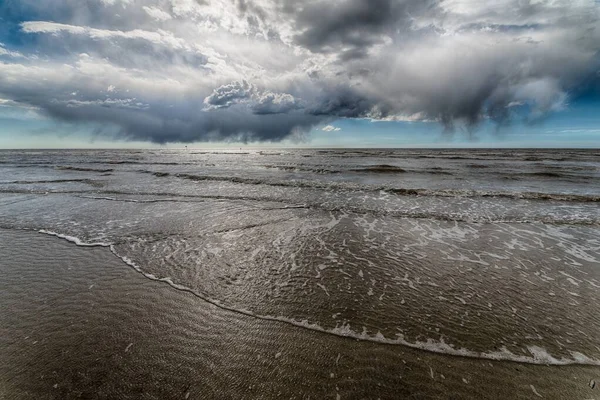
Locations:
484 254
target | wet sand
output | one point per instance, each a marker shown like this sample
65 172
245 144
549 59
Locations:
77 322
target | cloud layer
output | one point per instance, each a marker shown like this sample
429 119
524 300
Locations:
199 70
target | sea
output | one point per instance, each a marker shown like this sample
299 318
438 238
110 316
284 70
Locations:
473 256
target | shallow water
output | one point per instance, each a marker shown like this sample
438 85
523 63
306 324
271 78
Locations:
492 255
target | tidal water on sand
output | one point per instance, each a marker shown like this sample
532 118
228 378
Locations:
300 274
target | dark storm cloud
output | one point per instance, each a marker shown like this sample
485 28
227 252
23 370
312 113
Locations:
186 70
353 25
162 123
238 111
218 125
344 102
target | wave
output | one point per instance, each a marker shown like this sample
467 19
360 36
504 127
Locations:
435 171
565 175
169 197
497 194
376 169
160 174
253 181
74 239
538 355
478 166
400 191
544 174
382 168
22 182
408 213
82 169
143 201
224 153
301 168
139 162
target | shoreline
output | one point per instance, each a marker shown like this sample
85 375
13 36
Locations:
90 308
538 355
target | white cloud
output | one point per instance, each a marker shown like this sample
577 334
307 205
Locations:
50 27
590 130
330 128
160 37
157 13
9 53
113 2
257 100
116 103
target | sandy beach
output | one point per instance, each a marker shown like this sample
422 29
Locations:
79 323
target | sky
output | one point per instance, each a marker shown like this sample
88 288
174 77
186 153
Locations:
299 73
